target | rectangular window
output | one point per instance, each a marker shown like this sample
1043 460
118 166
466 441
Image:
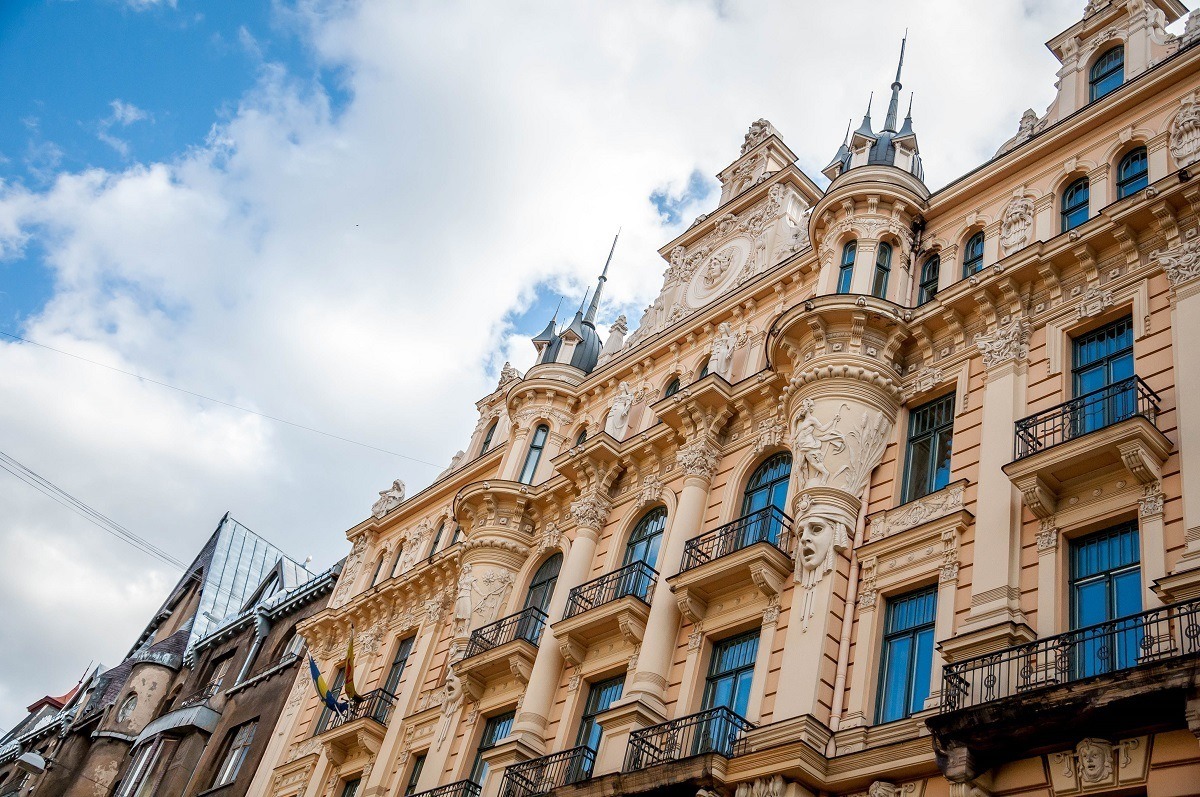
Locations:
339 681
399 661
496 728
731 672
1106 584
351 788
147 768
907 655
601 696
236 754
1103 358
930 432
414 777
534 456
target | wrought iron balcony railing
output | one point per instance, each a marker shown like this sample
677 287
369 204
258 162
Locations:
1122 644
376 705
769 525
200 696
526 624
462 788
1090 412
715 730
635 580
543 775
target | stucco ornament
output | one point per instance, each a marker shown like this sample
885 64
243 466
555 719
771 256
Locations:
479 598
761 787
823 532
590 511
720 362
1095 760
508 375
716 267
812 441
1184 140
1009 341
698 459
1180 263
463 603
389 499
452 697
759 132
1191 29
1016 224
618 415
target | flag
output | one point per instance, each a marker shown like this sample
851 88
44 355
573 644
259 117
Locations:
327 697
351 692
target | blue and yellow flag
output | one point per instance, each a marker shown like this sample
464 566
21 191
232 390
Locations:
323 691
351 692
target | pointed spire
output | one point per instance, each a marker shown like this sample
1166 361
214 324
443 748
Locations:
590 318
893 106
547 334
906 128
865 128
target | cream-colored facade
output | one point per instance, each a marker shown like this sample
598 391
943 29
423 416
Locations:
902 622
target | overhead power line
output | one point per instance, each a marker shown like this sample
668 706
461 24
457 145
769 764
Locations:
217 401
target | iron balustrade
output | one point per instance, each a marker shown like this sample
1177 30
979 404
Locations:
1090 412
770 525
376 705
1112 646
543 775
633 580
200 696
287 660
526 624
715 730
462 788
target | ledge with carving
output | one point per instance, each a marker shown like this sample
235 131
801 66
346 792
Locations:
914 513
422 594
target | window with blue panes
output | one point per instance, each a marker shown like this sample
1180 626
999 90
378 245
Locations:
730 673
1107 74
907 655
1102 376
1106 584
883 269
399 662
927 458
846 270
767 487
601 696
487 438
534 455
495 729
973 255
1132 173
541 588
930 273
1075 204
646 537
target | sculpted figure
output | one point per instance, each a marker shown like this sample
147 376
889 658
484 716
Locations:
452 695
1016 224
618 416
721 360
716 267
389 499
810 441
823 534
463 603
508 374
1095 760
1184 139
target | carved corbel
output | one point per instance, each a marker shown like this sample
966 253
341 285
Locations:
924 343
1049 274
472 686
817 326
520 667
766 579
987 306
632 628
858 325
1143 466
1127 238
572 650
1087 261
1037 495
1168 225
1011 293
690 606
954 324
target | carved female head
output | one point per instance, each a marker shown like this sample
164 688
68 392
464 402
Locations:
1095 760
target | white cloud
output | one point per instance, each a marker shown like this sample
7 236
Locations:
353 272
123 115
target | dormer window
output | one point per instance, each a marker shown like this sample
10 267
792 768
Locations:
846 271
1107 74
973 255
930 272
1075 204
883 269
1131 173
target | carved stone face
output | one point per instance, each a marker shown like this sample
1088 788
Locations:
816 538
1095 760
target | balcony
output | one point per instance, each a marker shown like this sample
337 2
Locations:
1113 678
715 730
362 725
749 550
543 775
507 646
1107 428
462 788
616 602
200 696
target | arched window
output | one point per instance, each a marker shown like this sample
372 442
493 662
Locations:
396 561
930 272
1131 173
457 535
846 271
487 438
541 589
672 387
378 570
581 438
535 454
1075 204
768 484
1107 73
437 539
883 268
973 255
647 536
703 371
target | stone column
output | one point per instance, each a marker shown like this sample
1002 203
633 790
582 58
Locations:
590 513
1048 579
841 420
995 619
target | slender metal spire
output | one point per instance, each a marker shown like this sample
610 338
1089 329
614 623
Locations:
865 127
590 318
893 106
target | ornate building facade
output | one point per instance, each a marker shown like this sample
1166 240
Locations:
888 493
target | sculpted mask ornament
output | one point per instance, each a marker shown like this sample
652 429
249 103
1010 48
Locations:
758 133
1184 139
452 697
1016 224
618 416
1095 760
716 267
389 499
823 532
720 362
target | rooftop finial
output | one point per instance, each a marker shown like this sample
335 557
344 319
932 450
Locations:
590 318
893 106
865 128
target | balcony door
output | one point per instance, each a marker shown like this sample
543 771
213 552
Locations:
495 729
768 487
730 674
1103 377
1106 585
642 547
